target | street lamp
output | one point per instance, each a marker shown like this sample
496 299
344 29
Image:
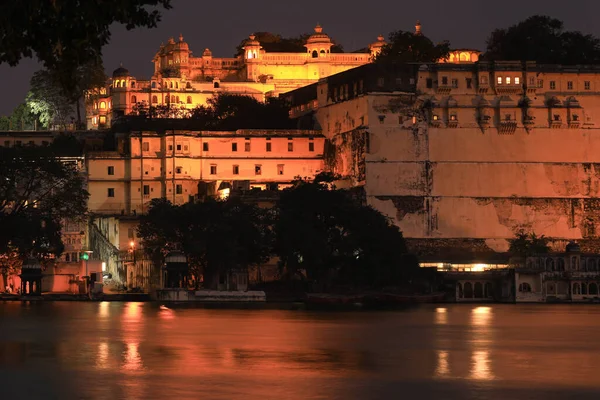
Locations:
86 257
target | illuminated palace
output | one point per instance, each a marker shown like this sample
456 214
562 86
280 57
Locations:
463 155
187 81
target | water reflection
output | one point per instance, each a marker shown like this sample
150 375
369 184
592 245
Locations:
441 316
481 366
132 358
102 358
443 367
481 342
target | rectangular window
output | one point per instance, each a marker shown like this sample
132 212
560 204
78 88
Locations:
483 80
499 80
508 80
146 146
170 147
111 192
213 169
455 83
146 190
570 85
540 84
258 169
532 81
178 170
268 146
517 80
311 146
111 170
236 169
469 83
552 85
204 146
587 85
444 81
233 146
279 169
290 146
178 147
102 120
178 189
429 83
247 146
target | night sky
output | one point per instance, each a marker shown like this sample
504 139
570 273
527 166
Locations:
221 25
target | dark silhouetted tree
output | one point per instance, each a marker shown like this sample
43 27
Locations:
408 47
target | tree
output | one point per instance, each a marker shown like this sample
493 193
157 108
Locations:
333 237
37 192
525 244
217 236
22 118
66 34
544 40
48 101
406 47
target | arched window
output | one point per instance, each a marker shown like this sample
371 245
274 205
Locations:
593 288
525 287
154 99
177 99
460 290
188 85
133 99
167 99
489 290
171 85
216 85
561 264
132 83
102 105
153 85
249 54
468 290
176 85
584 288
189 100
172 99
95 106
254 54
123 83
322 51
576 288
315 54
118 84
549 264
478 292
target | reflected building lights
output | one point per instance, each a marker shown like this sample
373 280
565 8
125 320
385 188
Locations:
443 367
441 316
481 366
481 316
133 360
102 359
104 309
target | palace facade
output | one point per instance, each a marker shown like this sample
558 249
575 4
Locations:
185 81
463 155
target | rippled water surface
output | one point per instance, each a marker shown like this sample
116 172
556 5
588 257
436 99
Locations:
138 351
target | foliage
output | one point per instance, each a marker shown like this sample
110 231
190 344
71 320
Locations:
525 244
65 34
48 100
333 237
37 192
544 40
225 112
275 43
217 236
22 118
405 47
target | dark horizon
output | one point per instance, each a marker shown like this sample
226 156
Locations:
465 23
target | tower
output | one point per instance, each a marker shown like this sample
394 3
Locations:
318 45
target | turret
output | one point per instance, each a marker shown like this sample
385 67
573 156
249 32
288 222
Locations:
251 49
376 47
318 44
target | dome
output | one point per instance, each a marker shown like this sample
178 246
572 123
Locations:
379 43
318 36
251 41
207 53
120 72
573 247
182 45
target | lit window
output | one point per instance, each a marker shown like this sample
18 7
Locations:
95 106
213 169
102 105
499 80
508 80
102 119
517 80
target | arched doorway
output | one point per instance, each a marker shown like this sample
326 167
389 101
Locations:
593 288
489 290
459 289
478 292
468 290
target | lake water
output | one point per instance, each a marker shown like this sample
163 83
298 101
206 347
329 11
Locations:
138 351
